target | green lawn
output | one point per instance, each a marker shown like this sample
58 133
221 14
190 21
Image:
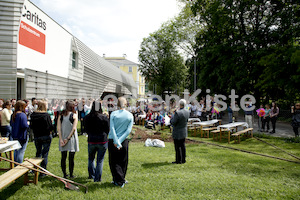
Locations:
210 173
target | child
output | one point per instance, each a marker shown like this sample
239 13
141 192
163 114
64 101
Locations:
266 118
260 120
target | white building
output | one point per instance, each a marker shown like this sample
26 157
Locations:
39 58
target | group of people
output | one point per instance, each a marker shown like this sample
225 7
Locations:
103 132
271 114
153 116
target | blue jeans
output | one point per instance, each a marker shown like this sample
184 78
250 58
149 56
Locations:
6 131
19 153
42 145
95 172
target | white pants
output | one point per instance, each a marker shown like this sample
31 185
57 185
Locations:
248 119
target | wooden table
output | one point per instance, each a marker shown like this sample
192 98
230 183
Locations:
204 124
9 147
229 127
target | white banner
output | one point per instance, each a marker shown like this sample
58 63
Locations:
43 45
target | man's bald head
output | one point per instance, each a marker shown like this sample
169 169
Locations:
122 102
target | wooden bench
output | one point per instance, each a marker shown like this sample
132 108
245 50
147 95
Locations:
207 130
193 128
216 132
18 171
190 127
239 133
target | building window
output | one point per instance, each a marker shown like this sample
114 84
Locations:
130 69
142 89
74 60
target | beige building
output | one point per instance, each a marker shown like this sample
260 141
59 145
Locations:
132 69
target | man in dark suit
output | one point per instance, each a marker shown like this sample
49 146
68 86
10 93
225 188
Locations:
179 123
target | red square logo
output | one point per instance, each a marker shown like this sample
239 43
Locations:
32 38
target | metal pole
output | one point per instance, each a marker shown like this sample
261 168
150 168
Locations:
195 87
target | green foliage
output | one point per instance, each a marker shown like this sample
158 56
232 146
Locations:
278 66
161 64
250 46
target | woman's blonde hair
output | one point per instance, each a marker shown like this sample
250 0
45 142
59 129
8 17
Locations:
42 106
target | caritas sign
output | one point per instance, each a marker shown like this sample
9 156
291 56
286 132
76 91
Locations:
40 37
32 38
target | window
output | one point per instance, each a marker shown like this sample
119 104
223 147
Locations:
74 60
130 69
142 89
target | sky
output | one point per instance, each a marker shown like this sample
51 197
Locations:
110 27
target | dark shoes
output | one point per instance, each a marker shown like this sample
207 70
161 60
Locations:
116 184
67 176
178 162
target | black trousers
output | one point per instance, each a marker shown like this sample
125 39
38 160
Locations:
273 120
296 131
118 161
82 125
63 162
180 150
266 121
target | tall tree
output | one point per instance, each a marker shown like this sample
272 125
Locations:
248 46
161 64
182 30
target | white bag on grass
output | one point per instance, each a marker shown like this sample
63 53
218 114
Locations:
158 143
148 143
154 143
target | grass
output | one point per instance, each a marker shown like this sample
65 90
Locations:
210 173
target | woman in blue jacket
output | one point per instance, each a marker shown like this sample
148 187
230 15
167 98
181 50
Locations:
19 129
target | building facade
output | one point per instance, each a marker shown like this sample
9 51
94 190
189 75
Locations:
39 58
132 69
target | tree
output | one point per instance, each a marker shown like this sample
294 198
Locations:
161 64
248 46
182 31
